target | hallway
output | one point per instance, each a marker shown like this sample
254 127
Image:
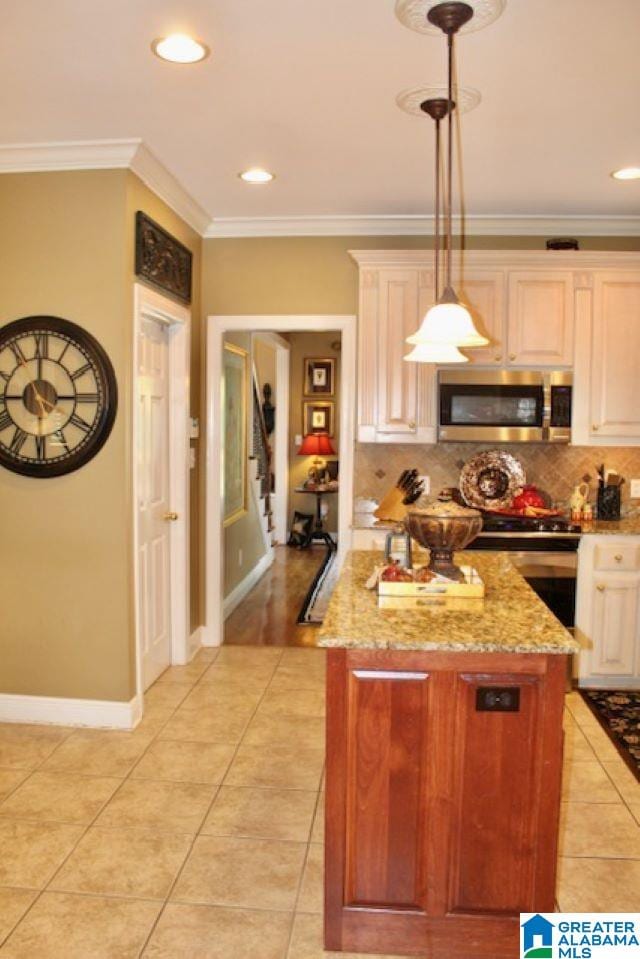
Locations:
267 616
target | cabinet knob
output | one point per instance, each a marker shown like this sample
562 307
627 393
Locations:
600 588
171 517
618 557
411 424
595 427
498 357
513 356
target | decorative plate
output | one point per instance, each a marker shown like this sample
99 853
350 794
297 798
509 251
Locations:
490 480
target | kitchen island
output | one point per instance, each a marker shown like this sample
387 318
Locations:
444 760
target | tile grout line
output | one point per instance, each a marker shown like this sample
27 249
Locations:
198 833
45 888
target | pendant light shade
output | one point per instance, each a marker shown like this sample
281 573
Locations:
436 353
448 323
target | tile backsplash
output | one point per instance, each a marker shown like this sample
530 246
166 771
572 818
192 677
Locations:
555 469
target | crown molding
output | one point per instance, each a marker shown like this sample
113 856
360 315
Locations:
575 260
131 154
507 225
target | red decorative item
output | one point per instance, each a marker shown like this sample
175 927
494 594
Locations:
528 496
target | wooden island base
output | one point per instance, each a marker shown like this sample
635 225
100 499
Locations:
441 809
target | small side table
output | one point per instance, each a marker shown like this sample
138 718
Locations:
319 532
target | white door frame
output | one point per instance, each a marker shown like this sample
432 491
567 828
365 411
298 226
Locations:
177 319
216 327
281 434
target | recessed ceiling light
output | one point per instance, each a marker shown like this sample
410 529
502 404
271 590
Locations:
179 48
627 173
256 175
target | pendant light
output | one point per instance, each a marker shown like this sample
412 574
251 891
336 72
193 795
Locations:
448 323
437 108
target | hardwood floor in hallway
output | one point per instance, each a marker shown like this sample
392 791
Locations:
267 616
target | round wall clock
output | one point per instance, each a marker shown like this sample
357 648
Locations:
58 396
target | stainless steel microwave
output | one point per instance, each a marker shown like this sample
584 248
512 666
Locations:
504 406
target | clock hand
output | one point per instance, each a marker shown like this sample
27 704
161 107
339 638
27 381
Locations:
32 384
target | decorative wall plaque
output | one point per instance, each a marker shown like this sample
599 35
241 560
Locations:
161 259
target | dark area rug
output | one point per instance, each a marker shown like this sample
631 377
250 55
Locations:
618 712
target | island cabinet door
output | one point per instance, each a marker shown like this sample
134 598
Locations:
505 795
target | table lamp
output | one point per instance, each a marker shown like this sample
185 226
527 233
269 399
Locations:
317 444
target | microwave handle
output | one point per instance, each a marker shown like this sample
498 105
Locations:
546 404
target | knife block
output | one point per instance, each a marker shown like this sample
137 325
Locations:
391 506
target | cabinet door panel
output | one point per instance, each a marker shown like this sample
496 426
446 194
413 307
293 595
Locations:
615 410
497 775
483 294
397 380
541 319
386 792
614 626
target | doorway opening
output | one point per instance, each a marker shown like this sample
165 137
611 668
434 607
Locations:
305 503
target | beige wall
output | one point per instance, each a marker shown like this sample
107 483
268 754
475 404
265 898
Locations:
316 274
66 565
305 345
66 613
243 542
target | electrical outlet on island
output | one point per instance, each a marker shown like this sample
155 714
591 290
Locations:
635 489
427 484
240 557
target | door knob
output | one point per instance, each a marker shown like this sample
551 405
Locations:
172 517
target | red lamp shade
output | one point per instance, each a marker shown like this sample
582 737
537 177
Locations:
317 444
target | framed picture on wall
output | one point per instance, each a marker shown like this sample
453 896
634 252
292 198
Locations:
234 432
319 376
317 417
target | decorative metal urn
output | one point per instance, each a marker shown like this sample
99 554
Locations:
442 526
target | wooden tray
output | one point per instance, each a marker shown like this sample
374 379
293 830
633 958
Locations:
472 586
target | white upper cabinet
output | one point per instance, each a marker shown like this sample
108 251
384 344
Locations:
540 325
542 310
395 398
483 292
615 359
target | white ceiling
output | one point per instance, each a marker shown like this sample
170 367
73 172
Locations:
307 89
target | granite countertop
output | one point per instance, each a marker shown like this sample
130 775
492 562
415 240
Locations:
627 526
510 618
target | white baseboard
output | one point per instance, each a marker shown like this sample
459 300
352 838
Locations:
236 595
94 713
196 640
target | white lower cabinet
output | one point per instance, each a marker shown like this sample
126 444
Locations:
608 612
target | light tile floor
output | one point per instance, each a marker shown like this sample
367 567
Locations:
199 835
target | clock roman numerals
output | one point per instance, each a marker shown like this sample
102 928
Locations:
42 346
81 371
41 447
18 441
80 423
86 397
61 440
16 349
5 420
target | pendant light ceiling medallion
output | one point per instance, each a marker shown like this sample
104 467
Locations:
448 324
413 14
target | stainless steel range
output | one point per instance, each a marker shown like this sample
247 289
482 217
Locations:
545 552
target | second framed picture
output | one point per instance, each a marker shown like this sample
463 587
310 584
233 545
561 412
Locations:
319 376
317 417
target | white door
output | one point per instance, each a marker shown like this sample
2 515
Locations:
154 571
